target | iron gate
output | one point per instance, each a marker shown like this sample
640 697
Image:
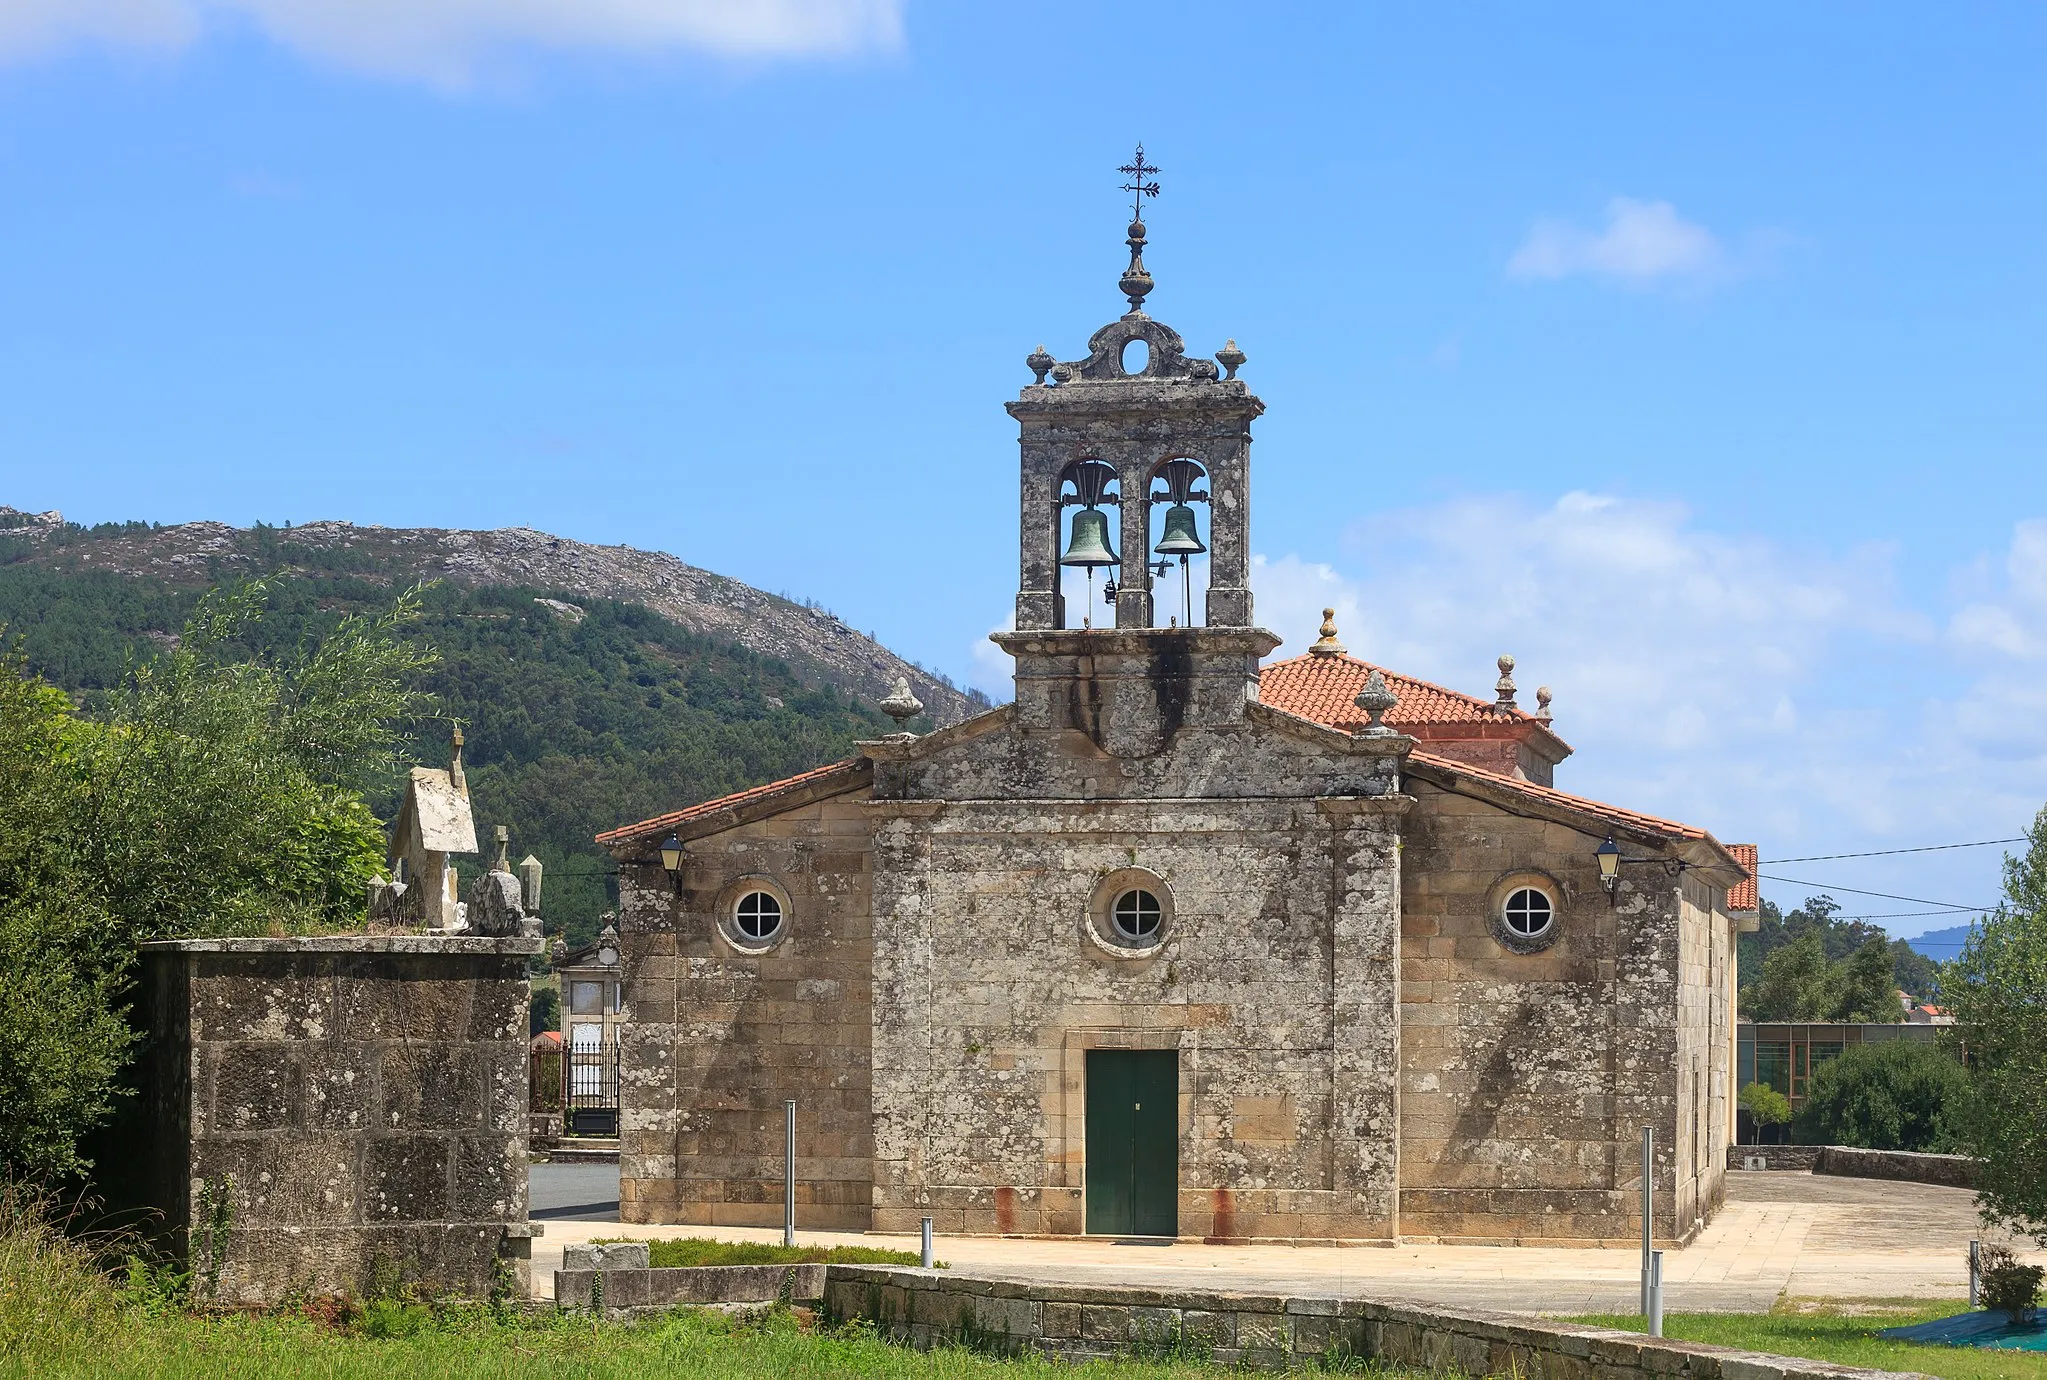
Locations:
591 1081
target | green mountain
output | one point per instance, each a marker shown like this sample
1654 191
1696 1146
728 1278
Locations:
596 685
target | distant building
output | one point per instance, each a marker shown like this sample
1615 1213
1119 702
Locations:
1784 1055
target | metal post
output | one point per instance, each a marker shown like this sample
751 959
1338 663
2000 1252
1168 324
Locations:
927 1254
1975 1270
789 1173
1656 1293
1648 1207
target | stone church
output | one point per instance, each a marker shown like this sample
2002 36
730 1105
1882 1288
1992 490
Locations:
1176 945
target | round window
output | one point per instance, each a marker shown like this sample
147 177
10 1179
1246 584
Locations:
1528 913
1136 914
757 916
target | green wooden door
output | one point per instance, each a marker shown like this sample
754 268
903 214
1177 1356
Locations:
1133 1142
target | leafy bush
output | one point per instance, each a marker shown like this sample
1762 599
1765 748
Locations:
1764 1105
215 794
2007 1284
1997 991
1896 1095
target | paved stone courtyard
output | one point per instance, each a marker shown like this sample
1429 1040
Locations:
1780 1235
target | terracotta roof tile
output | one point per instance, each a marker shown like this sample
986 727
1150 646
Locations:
1325 689
729 802
1743 897
1634 819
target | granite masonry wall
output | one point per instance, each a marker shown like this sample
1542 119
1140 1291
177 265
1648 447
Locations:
331 1113
1269 1332
717 1037
1527 1076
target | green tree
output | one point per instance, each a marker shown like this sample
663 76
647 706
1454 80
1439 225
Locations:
62 1041
1893 1095
1797 984
220 793
1865 986
1997 991
1765 1107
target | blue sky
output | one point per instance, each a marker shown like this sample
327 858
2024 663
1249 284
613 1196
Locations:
1691 358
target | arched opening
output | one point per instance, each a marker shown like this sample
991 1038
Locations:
1136 355
1090 504
1176 507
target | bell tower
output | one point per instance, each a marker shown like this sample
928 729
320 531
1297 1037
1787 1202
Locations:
1136 426
1136 465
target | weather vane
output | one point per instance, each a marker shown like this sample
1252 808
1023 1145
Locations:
1137 170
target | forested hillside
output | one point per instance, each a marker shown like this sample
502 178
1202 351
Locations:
580 713
1811 965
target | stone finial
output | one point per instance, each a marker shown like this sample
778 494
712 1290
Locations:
1040 363
503 861
529 883
558 952
901 705
1542 699
455 776
1327 645
1231 358
495 906
1376 699
1505 686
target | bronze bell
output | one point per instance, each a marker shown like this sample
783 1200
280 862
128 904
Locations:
1180 538
1090 544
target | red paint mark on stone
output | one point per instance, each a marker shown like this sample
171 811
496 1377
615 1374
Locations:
1223 1224
1005 1211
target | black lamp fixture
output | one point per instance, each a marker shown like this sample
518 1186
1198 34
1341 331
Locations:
1608 855
671 861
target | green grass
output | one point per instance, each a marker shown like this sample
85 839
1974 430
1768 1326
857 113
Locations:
703 1250
421 1345
1848 1338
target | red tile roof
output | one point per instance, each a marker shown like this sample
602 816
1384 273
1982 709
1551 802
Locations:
1632 819
816 775
1325 689
1743 897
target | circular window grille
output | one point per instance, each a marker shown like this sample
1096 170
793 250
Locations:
1529 913
1136 914
757 916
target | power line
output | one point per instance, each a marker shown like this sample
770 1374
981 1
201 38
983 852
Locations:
1889 852
1886 895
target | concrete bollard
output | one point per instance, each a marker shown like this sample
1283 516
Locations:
1656 1294
789 1172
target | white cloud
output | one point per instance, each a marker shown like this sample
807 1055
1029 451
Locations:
444 41
2015 626
1763 691
1642 242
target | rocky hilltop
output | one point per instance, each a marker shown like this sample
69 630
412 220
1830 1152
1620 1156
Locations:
704 603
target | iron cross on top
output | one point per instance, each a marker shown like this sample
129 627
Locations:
1137 170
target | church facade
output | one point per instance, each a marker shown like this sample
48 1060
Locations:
1176 945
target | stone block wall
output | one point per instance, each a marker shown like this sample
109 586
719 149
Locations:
716 1038
1705 955
1268 1332
1527 1077
1274 981
321 1112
